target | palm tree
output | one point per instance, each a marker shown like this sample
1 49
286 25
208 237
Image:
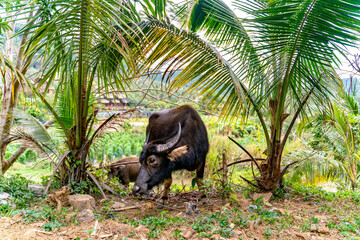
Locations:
12 66
334 132
82 43
271 63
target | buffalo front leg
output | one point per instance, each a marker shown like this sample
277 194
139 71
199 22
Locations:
199 181
167 184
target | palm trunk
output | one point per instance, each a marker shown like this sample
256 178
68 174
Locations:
9 102
271 168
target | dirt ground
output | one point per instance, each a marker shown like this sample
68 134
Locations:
296 218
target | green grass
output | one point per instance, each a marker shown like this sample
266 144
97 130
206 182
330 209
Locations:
33 171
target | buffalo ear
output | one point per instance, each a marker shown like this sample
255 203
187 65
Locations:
177 152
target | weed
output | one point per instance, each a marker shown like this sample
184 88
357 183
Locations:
240 221
315 220
49 226
177 234
5 209
268 232
17 187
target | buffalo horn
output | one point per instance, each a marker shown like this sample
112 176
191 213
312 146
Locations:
160 148
148 136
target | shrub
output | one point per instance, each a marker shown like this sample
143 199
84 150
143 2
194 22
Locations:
17 187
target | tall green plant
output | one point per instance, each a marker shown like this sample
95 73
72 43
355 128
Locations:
13 65
271 63
336 132
81 43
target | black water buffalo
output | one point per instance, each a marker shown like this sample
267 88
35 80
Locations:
125 169
176 139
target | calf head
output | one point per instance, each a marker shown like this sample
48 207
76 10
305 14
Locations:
112 173
157 162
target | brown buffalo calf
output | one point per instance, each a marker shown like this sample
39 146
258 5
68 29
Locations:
125 169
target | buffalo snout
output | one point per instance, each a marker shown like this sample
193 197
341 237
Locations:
138 190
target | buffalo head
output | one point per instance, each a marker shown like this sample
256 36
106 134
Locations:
157 162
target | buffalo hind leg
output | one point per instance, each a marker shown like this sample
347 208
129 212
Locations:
199 181
167 184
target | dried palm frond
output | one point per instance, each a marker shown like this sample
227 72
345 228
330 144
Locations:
29 141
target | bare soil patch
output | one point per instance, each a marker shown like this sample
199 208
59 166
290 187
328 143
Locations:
293 218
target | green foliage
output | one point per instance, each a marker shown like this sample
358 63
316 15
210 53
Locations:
241 220
53 217
49 226
5 209
215 223
28 156
101 175
312 192
156 224
36 112
55 184
334 137
17 187
116 145
268 63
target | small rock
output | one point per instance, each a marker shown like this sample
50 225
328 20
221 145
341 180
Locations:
117 205
266 196
37 189
4 195
86 215
82 201
188 234
30 234
6 198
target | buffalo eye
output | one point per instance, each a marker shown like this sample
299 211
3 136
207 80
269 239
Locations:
152 161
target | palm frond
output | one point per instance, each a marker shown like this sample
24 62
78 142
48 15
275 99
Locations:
29 141
315 167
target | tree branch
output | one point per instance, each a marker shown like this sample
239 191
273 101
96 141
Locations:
55 170
10 161
97 184
295 117
246 151
240 161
